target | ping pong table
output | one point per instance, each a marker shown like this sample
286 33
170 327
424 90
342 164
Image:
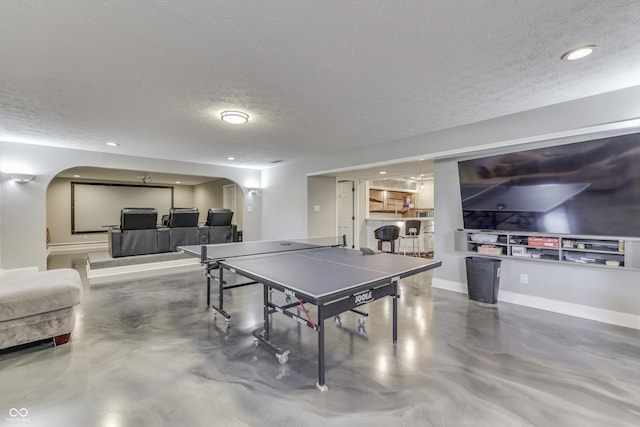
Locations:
333 278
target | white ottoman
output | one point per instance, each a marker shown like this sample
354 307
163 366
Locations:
36 306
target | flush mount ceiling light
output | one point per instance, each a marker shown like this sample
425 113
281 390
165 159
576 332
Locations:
234 117
112 144
578 53
230 158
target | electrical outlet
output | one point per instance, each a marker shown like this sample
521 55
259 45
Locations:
524 278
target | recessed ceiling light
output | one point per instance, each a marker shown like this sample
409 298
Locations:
578 53
76 176
231 158
177 182
234 117
112 144
382 173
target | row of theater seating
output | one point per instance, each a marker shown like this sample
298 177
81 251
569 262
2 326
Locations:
139 233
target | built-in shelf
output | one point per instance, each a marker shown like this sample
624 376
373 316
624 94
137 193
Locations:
608 252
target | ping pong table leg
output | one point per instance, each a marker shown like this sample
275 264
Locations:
322 386
219 308
265 299
208 274
221 289
395 311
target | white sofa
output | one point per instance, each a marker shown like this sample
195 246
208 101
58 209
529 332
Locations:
38 305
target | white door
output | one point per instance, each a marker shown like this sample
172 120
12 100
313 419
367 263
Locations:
346 211
229 199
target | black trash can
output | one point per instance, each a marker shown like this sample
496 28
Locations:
483 279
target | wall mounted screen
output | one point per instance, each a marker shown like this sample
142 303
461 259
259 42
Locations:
95 206
590 188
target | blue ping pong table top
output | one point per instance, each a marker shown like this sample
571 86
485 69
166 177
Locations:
327 273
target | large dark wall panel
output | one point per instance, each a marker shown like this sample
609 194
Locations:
590 187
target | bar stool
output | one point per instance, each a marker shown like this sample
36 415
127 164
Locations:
387 233
412 231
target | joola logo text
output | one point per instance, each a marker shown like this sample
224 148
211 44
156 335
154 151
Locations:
363 298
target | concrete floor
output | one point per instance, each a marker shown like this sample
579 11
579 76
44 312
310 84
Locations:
148 353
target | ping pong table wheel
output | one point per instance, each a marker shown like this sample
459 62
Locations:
283 357
256 342
337 320
288 299
361 320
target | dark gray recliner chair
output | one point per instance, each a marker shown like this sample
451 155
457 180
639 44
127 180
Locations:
138 234
183 227
218 228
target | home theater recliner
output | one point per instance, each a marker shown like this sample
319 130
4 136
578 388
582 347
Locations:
218 228
183 227
139 234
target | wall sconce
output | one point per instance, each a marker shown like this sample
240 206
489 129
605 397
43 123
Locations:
21 178
252 191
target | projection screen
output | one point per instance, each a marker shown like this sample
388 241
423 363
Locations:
95 206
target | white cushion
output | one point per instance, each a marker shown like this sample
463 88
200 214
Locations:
28 294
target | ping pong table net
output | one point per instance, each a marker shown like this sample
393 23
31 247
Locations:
263 247
324 241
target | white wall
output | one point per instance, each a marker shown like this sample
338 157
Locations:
252 216
284 196
23 208
182 197
0 223
426 194
322 192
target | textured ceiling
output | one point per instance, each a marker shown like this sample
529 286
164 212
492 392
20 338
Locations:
316 77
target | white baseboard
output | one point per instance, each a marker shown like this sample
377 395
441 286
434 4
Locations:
70 248
105 275
576 310
449 285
